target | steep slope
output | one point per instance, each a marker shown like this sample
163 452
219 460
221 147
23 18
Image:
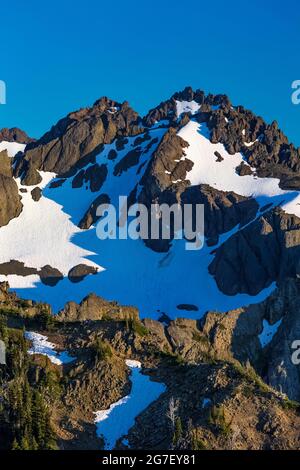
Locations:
191 149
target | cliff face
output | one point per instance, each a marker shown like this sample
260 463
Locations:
10 201
220 400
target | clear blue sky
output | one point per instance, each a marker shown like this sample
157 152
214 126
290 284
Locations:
57 56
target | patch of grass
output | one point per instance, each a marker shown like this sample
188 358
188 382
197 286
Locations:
249 373
138 328
247 391
102 350
291 404
198 444
200 338
217 418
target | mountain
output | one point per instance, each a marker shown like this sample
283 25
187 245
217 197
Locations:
234 301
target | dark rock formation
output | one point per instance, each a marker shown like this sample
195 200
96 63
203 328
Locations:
36 194
14 135
96 308
16 267
222 210
90 217
112 154
188 307
77 138
50 276
79 272
57 183
5 164
265 251
10 200
243 169
129 160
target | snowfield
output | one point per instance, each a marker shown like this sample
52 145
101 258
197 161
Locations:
41 235
46 232
115 422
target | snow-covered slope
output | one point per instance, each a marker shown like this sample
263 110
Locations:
47 233
222 175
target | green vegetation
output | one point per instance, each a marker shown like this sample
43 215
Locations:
137 327
32 429
197 443
249 373
177 431
25 405
102 350
290 404
200 338
46 320
217 418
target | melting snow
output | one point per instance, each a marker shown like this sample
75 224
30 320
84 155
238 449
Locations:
268 332
115 422
41 345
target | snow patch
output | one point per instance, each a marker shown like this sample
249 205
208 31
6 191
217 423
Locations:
116 421
41 345
187 107
12 147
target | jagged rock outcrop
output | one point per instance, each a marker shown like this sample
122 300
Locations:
220 406
282 355
77 139
94 177
48 275
10 200
167 110
265 251
36 194
79 272
164 180
90 217
5 164
93 307
14 135
222 210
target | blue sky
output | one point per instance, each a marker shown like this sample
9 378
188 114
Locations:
57 56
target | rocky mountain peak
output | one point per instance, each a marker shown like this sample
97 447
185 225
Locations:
14 135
